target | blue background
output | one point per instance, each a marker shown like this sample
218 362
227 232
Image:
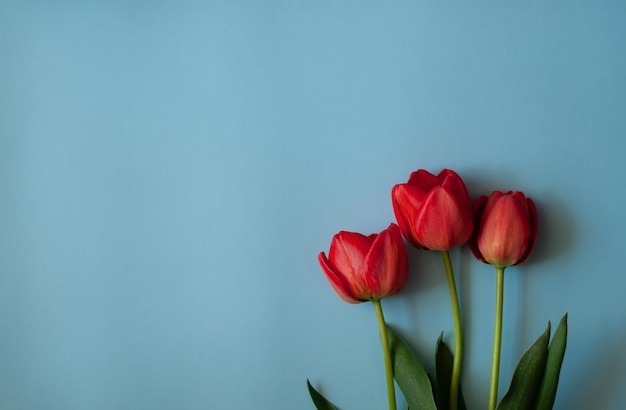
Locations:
169 172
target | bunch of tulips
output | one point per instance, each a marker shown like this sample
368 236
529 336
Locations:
435 212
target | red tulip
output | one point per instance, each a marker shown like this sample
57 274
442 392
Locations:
362 268
433 212
506 229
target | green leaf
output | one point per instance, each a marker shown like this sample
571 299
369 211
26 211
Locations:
550 381
443 372
321 403
410 375
527 376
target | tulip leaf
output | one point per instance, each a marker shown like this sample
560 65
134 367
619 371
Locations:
443 372
550 381
527 376
410 375
321 403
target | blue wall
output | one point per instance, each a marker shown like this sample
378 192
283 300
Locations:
169 172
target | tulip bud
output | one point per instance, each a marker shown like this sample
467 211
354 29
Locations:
362 268
505 229
433 212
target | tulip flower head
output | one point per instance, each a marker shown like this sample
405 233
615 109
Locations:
433 211
506 229
363 268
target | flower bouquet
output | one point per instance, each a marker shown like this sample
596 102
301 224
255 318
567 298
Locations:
435 212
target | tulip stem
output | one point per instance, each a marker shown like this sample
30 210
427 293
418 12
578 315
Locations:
382 327
458 337
497 340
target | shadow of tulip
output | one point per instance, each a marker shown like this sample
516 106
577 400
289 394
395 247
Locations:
557 232
556 228
426 275
598 379
425 270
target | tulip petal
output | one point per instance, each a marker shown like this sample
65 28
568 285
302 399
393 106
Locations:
387 263
441 223
423 180
491 200
348 251
407 200
397 200
401 259
479 208
347 255
452 182
505 231
340 286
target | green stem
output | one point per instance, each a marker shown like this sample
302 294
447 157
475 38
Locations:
497 340
458 337
386 354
